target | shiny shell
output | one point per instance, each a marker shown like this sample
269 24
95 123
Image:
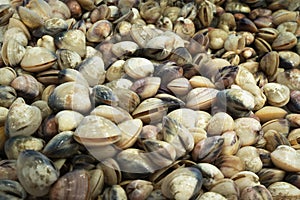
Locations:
22 119
286 158
38 59
277 94
97 131
36 172
182 183
138 67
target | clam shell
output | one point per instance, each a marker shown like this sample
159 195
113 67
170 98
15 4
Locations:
73 185
280 190
268 113
286 158
131 130
36 172
138 67
70 96
174 185
94 130
15 145
38 59
73 40
114 114
201 98
22 119
92 70
277 94
220 123
250 156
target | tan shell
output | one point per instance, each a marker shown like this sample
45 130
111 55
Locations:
179 86
115 70
115 114
286 158
38 59
277 94
94 130
247 130
249 155
220 123
201 98
201 81
130 132
22 119
268 113
284 190
68 120
138 67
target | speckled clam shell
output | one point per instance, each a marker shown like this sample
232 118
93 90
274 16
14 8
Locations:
286 158
22 119
36 172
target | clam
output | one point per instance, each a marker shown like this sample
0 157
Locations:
268 176
231 144
244 179
134 163
22 119
47 42
270 63
208 150
72 185
115 70
130 132
146 87
268 113
293 138
94 130
139 189
229 165
289 59
26 86
124 48
227 188
7 74
61 145
127 99
30 18
67 58
73 40
284 41
3 115
38 59
210 195
201 98
256 192
115 114
36 172
237 102
8 170
282 189
92 69
67 120
70 96
150 110
179 86
286 158
290 78
71 75
138 67
201 81
161 153
293 104
12 52
7 96
211 174
220 123
15 145
114 192
177 135
250 156
279 125
274 139
111 171
12 190
99 31
247 129
277 94
182 183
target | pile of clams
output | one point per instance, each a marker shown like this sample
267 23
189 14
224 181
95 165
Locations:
150 99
